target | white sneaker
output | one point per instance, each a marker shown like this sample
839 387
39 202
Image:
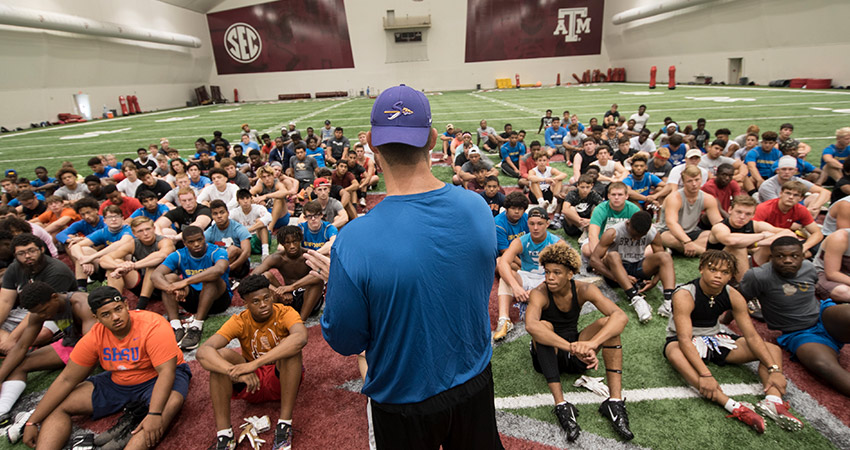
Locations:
666 308
16 430
552 207
641 308
363 201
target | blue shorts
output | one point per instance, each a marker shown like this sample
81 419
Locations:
107 397
282 222
817 333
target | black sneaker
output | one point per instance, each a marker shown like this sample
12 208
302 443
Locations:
566 414
616 413
119 435
84 442
6 419
179 334
282 437
223 443
192 339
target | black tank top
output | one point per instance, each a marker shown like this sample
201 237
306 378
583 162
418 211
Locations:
748 228
565 323
706 312
586 161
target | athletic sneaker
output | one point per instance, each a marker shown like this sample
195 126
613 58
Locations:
363 201
282 437
555 224
616 413
666 308
566 414
746 413
779 413
5 419
642 308
84 442
179 334
192 339
16 430
119 435
552 207
503 328
223 443
754 307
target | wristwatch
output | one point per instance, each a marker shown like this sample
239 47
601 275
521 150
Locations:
774 368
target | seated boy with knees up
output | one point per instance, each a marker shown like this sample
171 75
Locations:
268 368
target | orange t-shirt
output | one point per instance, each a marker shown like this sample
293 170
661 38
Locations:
257 339
49 217
131 360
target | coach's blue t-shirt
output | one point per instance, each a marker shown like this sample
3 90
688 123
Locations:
105 237
839 155
764 161
644 185
315 241
143 212
183 263
234 234
507 231
530 255
79 227
415 299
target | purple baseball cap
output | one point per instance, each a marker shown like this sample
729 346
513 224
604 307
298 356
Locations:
401 115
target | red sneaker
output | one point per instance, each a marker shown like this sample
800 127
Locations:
746 413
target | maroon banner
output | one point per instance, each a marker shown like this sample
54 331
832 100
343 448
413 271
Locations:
281 36
497 30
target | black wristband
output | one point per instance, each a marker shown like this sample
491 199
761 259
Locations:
154 414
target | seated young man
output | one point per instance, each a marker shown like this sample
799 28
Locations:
29 206
723 188
607 214
833 266
834 155
71 191
16 226
220 189
255 218
333 210
681 213
114 197
516 283
132 262
181 181
787 212
741 236
90 221
510 152
86 253
231 236
151 208
557 346
319 234
578 206
512 222
621 257
57 217
268 368
493 194
188 214
348 182
104 173
644 188
786 170
71 310
694 338
300 290
369 178
195 278
273 193
141 362
546 185
760 160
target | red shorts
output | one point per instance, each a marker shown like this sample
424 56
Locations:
269 387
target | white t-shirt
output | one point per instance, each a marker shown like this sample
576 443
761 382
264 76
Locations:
249 219
647 146
608 170
675 176
127 187
210 193
640 121
712 164
485 134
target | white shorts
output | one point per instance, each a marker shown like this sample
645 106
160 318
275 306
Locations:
530 281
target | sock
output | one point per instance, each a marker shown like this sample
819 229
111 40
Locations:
265 249
288 422
770 398
82 283
197 324
750 193
562 403
227 432
731 405
10 391
143 302
612 399
176 324
668 294
631 292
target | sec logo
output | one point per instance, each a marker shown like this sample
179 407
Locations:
242 42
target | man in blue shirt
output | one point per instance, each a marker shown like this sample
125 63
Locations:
760 159
319 235
510 152
196 180
101 171
86 253
42 181
231 236
833 157
512 222
194 277
516 284
642 185
555 139
90 222
425 392
151 208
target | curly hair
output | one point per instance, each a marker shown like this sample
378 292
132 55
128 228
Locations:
252 283
561 253
290 230
714 258
34 294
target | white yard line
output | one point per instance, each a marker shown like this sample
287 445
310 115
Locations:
312 114
504 103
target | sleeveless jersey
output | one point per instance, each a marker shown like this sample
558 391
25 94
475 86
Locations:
748 228
818 260
829 224
547 174
689 214
706 313
565 323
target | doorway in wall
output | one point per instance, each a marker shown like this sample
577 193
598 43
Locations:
734 70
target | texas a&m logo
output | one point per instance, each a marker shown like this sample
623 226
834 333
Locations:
571 23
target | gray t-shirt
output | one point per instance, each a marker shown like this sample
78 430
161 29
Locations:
467 166
660 172
772 187
338 146
485 133
241 180
303 170
712 164
631 250
333 208
55 273
788 304
72 195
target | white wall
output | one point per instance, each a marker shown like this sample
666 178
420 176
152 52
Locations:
777 39
41 69
445 69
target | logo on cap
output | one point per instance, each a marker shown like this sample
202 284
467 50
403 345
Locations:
398 109
242 42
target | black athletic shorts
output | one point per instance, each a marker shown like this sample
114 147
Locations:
219 305
567 362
